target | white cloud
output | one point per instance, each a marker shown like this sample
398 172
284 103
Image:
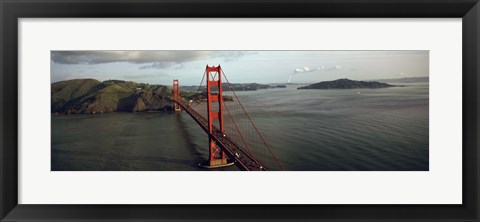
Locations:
331 68
322 68
305 69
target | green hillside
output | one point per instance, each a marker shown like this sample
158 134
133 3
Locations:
93 96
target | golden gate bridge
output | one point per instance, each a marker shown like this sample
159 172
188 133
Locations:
233 137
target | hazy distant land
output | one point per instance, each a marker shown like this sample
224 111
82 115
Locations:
237 87
404 80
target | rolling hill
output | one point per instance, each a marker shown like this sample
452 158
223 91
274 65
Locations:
93 96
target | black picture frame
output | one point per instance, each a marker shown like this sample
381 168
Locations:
11 11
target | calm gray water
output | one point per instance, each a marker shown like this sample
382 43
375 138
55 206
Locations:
334 130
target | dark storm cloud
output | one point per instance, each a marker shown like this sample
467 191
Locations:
97 57
161 58
154 59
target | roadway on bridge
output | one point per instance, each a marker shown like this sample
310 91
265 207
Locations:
242 158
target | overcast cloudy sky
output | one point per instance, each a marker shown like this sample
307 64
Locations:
161 67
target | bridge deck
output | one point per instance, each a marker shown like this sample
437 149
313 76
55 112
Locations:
242 158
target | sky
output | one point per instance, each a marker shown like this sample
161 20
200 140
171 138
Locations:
161 67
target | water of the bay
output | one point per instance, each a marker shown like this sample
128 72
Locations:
333 130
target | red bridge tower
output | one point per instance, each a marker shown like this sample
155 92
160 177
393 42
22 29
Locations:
215 112
176 95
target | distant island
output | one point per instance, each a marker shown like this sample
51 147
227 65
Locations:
347 84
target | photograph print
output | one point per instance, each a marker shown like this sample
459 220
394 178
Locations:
191 110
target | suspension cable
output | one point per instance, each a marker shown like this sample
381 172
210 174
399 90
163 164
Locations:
258 132
239 133
198 90
200 85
